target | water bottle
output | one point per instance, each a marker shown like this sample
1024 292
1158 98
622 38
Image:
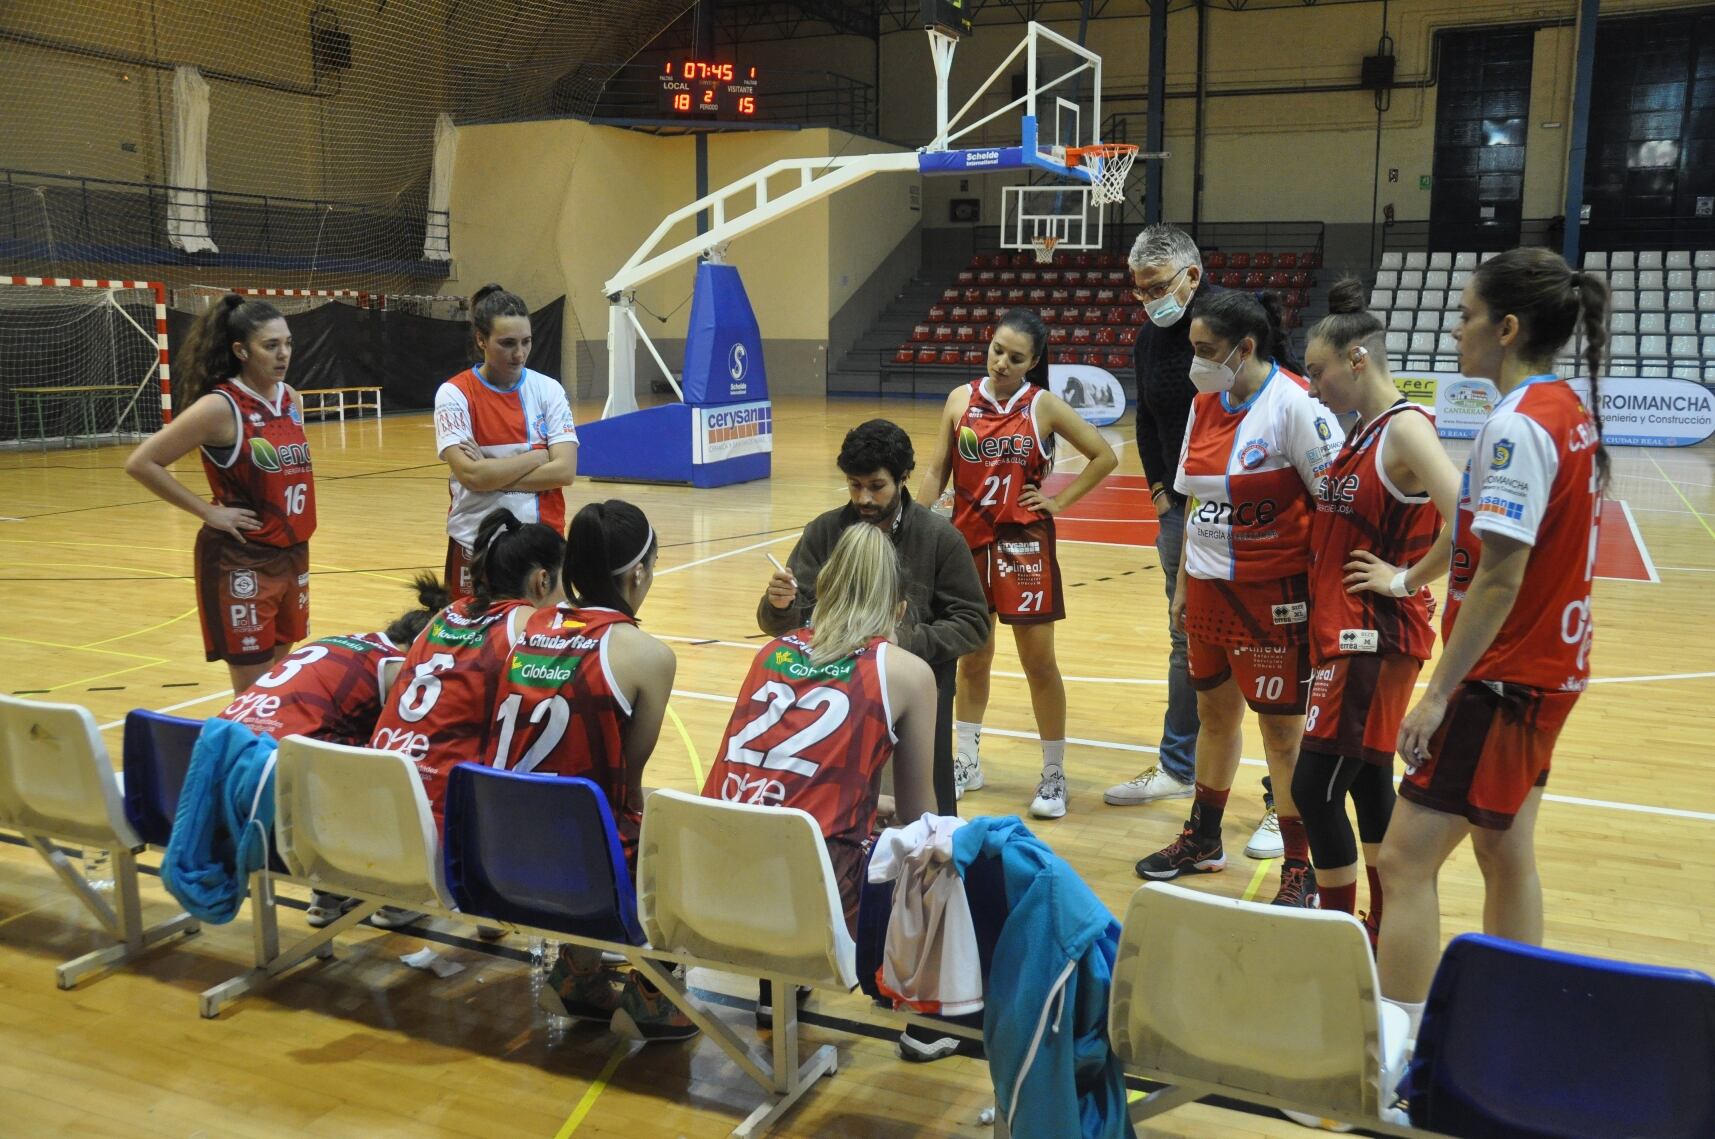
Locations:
538 968
944 505
98 868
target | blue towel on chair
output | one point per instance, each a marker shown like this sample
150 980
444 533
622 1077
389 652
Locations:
224 821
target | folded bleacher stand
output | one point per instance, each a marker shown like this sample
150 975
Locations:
57 784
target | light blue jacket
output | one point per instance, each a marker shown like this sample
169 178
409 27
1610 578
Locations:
224 821
1045 1024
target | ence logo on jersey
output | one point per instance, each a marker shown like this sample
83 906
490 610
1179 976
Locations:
1343 489
790 662
532 671
265 456
1242 514
974 450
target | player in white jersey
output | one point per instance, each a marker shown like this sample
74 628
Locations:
505 433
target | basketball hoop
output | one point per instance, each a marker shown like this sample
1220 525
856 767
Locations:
1108 186
1044 246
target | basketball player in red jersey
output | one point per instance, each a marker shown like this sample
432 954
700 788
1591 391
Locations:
332 688
997 443
1378 509
439 712
583 693
1479 742
505 433
253 551
1256 448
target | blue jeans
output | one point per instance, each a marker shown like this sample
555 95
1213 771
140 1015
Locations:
1179 725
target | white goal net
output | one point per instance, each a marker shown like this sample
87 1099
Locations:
81 362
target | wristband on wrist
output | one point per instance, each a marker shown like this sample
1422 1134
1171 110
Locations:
1396 587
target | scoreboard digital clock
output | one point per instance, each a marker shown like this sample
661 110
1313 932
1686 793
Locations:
700 89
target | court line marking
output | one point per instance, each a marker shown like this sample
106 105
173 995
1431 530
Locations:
1638 541
170 708
1256 879
140 632
728 554
1111 745
593 1092
690 748
1704 522
1689 569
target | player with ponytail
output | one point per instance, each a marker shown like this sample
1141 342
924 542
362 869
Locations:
253 551
1518 625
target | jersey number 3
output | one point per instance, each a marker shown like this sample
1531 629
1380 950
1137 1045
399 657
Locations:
786 755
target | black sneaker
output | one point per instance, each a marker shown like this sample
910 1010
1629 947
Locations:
922 1045
1187 854
1297 885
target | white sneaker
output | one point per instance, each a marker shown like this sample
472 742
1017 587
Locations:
967 774
1266 842
1150 785
1050 801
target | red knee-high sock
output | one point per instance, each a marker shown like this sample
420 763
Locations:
1342 898
1296 841
1375 896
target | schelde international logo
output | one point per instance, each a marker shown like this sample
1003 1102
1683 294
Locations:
738 361
1469 396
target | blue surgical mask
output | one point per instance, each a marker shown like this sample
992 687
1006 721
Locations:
1167 311
1214 375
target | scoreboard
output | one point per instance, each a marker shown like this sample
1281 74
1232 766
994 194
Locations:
700 89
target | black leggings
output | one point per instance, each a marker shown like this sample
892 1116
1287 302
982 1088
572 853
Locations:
1320 784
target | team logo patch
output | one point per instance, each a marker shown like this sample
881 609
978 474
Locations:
441 633
297 413
533 670
249 645
1359 640
1322 430
242 583
1503 455
1291 613
255 419
968 445
790 662
263 454
1253 454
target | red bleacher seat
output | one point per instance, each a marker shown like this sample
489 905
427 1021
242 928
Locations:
966 277
922 332
1083 296
1105 336
1263 260
1232 279
1008 277
1286 261
1094 359
1020 260
1137 314
1302 280
1215 260
950 294
964 333
937 313
971 295
1059 334
1059 296
1049 314
993 296
1115 315
927 355
981 314
975 356
1014 297
1090 316
905 354
1255 280
1120 277
1081 260
1107 296
1082 334
986 277
960 313
1128 335
1030 277
1310 260
1050 276
986 333
1071 277
1038 296
1065 357
943 333
1279 280
950 356
1239 261
1118 360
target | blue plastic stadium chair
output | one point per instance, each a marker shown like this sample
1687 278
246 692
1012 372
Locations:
1527 1043
157 755
540 851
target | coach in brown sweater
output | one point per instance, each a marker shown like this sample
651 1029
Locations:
945 613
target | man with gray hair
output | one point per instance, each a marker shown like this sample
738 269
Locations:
1167 270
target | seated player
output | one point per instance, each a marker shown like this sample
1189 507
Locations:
331 689
438 712
583 694
824 708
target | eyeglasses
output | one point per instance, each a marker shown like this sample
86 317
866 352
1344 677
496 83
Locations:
1156 292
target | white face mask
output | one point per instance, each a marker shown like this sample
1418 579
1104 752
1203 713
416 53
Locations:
1167 311
1214 375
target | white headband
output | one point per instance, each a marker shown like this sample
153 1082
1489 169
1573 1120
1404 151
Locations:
632 564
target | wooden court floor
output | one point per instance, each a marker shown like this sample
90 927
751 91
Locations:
99 610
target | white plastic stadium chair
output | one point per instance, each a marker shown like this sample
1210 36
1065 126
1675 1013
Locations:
348 820
1703 259
1422 350
1381 299
1428 321
1679 259
1650 323
1652 300
1441 261
1622 279
1652 347
1411 278
1685 348
1397 342
1432 299
749 889
1465 261
1706 300
1652 279
1436 278
1460 278
1706 323
1269 1005
1399 320
1393 261
1626 322
1623 300
1622 259
1405 299
1417 260
1449 320
1596 261
1650 259
57 784
1680 324
1387 279
1681 300
1705 279
1679 279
